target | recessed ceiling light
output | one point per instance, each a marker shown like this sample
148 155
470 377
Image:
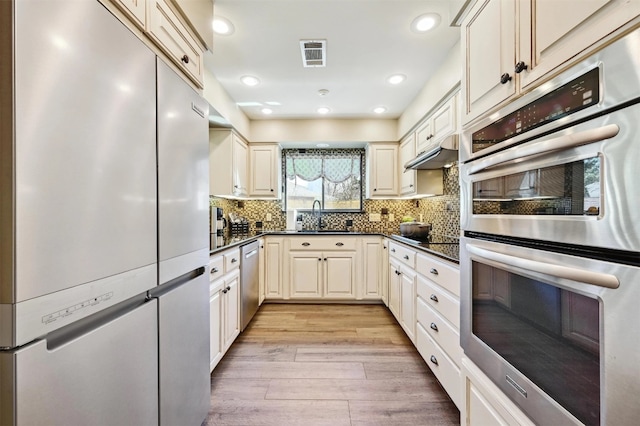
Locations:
323 110
266 111
322 145
323 92
222 26
379 110
426 22
396 79
250 80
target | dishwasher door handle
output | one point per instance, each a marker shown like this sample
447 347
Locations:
251 253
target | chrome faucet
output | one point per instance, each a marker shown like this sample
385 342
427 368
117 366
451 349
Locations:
313 209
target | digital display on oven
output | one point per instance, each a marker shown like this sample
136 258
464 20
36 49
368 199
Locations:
572 97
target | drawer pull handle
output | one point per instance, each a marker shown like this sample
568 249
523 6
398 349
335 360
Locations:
434 271
319 259
339 244
228 288
325 259
234 260
433 297
433 359
214 270
306 244
224 290
406 257
433 326
393 250
185 59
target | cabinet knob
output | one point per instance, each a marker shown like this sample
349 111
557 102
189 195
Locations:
224 290
411 186
433 297
234 260
520 66
406 257
433 359
228 288
339 244
306 244
433 271
185 59
375 189
271 189
505 78
325 259
433 326
214 270
393 250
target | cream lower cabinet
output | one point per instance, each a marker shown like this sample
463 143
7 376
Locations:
402 287
394 287
273 277
224 303
326 275
408 302
373 269
484 403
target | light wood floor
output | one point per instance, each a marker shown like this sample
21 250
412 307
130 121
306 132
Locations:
326 365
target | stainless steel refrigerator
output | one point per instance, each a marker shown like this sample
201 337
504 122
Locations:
83 339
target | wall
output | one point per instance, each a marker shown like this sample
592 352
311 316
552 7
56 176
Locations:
324 130
445 221
443 82
215 94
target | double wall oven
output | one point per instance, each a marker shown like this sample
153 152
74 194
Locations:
550 254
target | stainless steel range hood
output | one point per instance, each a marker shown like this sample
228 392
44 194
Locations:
436 157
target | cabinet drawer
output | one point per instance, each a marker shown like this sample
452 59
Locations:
231 260
166 29
442 301
403 254
216 268
443 368
440 330
440 273
323 243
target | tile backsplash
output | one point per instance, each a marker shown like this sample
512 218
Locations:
443 212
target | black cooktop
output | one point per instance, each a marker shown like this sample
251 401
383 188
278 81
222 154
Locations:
443 245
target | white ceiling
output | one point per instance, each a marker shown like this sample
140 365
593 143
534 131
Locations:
367 41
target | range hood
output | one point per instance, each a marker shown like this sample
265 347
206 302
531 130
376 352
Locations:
437 156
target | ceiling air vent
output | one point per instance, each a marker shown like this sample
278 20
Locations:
314 53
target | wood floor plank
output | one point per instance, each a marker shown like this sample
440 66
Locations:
280 413
416 389
387 353
261 351
291 370
410 367
414 413
231 389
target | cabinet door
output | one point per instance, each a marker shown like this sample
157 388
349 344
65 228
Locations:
231 307
305 274
553 32
239 160
488 39
272 269
408 303
394 288
383 171
261 271
263 170
444 120
372 270
424 135
215 329
166 29
407 176
135 10
339 275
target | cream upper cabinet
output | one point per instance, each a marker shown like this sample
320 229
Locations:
172 36
511 47
264 171
489 42
382 170
228 156
407 176
553 32
136 11
442 123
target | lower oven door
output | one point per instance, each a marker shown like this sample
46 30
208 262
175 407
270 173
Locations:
556 332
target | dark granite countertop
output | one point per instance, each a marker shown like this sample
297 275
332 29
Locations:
445 248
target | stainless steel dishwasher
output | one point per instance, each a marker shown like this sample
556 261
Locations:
248 283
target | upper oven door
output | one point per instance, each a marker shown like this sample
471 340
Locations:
574 186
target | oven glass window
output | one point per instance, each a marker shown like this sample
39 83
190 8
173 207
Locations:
566 189
549 334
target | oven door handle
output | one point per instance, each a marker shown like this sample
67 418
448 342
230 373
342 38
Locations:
535 148
588 277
